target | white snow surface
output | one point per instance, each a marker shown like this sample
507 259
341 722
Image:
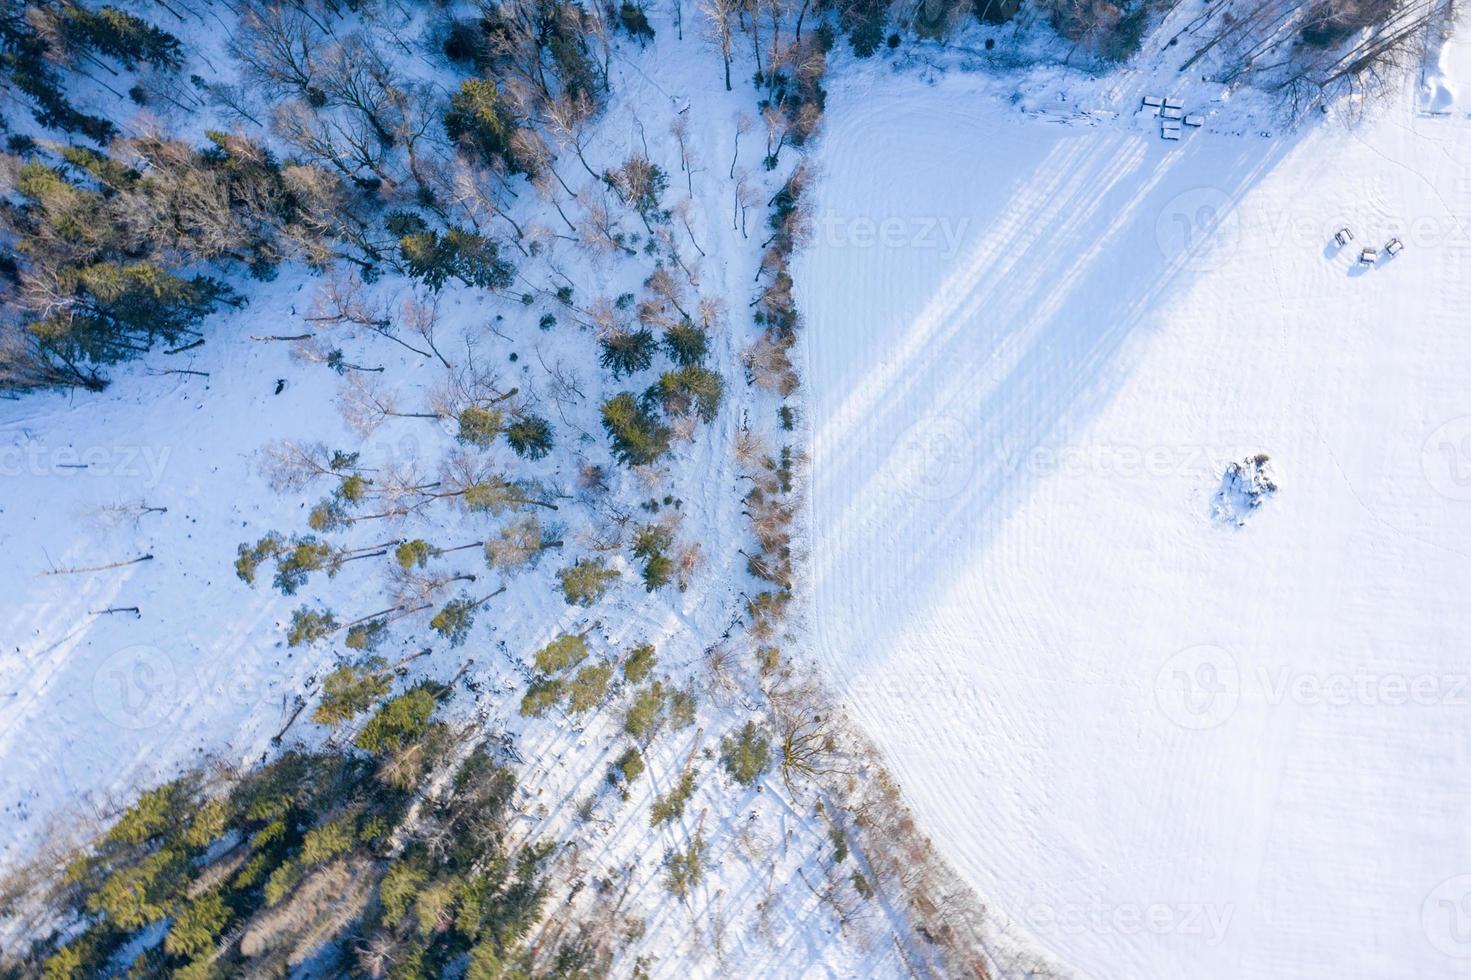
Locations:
1447 73
1161 746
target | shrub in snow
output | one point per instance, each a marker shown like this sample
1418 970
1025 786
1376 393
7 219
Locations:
628 767
1244 487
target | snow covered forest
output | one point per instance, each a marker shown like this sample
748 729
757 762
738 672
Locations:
413 567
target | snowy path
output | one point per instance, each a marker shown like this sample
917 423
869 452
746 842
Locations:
1163 746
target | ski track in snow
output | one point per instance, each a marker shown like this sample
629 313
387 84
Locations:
1083 684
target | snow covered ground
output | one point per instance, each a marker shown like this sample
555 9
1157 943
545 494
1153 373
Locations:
1446 75
1160 743
96 705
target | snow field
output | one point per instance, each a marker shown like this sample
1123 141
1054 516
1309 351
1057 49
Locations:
1160 746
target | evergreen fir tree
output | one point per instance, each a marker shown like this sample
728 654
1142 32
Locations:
309 626
746 754
686 344
350 690
563 653
689 389
638 437
585 582
530 437
480 426
478 120
627 351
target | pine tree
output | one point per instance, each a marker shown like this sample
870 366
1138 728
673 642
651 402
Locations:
195 928
585 582
399 722
627 768
495 495
650 543
480 426
309 626
685 869
530 436
638 437
670 806
366 636
588 687
627 351
453 622
414 554
689 389
646 711
350 690
541 696
639 663
686 344
479 121
516 544
746 754
563 653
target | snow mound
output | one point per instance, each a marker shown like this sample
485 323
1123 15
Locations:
1446 71
1245 486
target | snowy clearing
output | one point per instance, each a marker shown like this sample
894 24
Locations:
1161 744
